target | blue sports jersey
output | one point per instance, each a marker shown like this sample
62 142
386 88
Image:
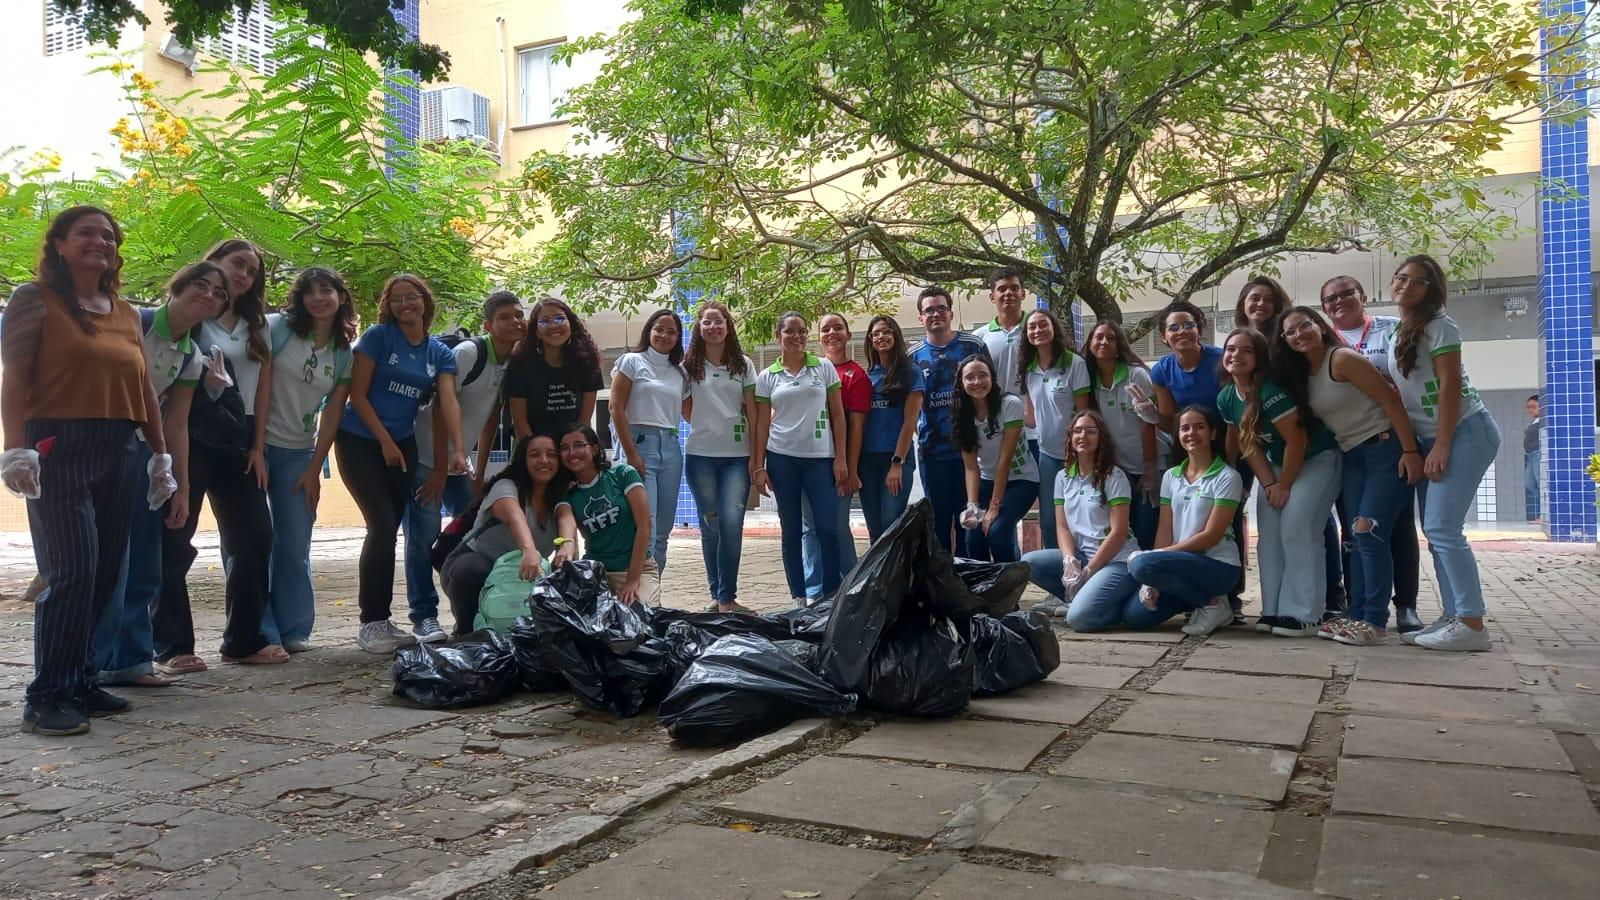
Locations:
1198 387
935 438
884 421
401 376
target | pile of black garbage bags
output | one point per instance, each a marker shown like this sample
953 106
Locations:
911 631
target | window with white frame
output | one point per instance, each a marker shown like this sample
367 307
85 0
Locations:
247 40
62 33
545 81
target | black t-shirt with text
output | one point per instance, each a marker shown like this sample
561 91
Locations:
553 394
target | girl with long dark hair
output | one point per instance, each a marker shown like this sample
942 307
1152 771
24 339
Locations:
554 374
887 463
519 514
1458 440
1261 301
1056 385
74 388
608 501
310 343
1002 478
855 394
720 410
1116 376
647 391
1295 462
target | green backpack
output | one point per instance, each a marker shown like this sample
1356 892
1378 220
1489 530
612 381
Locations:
505 594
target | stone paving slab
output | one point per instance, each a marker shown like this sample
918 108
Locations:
27 752
1112 653
712 864
331 864
1522 799
1261 659
964 880
1460 670
346 723
1187 765
1367 859
630 763
1227 686
1483 745
183 764
1091 676
1225 720
1128 829
1046 701
25 805
1171 634
859 795
215 710
962 742
1412 700
329 786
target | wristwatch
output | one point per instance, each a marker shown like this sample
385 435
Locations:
897 460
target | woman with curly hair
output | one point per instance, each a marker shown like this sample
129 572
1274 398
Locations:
608 502
1002 478
554 374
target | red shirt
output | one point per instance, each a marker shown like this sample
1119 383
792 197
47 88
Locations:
855 388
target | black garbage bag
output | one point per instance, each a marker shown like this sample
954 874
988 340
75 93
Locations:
999 585
743 686
921 668
804 623
524 651
905 569
804 652
476 669
575 598
1035 627
1006 658
684 644
718 623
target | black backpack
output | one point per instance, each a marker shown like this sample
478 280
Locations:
453 535
451 340
219 426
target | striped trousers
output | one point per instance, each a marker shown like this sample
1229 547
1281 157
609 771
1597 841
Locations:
80 532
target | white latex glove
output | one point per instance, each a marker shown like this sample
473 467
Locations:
1147 596
1150 487
19 469
1070 568
971 516
162 483
1143 405
217 379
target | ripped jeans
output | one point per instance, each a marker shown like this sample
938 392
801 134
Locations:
1374 494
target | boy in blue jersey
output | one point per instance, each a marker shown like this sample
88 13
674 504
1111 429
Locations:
937 356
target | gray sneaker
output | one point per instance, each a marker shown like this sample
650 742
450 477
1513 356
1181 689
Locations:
383 637
1053 607
1209 618
1442 621
428 632
1456 637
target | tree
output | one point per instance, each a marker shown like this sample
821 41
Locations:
298 167
361 25
796 155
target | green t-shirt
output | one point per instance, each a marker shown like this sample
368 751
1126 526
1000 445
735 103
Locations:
601 508
1275 404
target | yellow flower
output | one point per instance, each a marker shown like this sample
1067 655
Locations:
117 68
4 188
142 82
184 151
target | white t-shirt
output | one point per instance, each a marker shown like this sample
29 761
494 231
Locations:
1373 340
1023 468
1055 393
800 425
656 398
1088 511
1191 504
477 399
235 346
1004 347
719 427
302 378
1420 389
1127 429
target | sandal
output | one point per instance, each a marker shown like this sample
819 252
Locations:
150 680
181 665
270 655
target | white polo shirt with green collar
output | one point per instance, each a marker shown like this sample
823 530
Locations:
1054 393
166 356
1192 502
1004 347
1088 509
799 423
1127 429
1022 467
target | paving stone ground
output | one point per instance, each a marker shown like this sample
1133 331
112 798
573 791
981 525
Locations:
1147 766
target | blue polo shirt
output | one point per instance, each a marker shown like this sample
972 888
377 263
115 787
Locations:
1198 387
935 438
401 376
883 420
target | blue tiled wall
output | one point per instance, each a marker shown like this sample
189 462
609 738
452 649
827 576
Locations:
403 103
684 301
1566 317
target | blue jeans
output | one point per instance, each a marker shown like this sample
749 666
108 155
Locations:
1185 581
1291 554
811 548
1530 484
1373 491
878 506
1000 543
1049 467
124 645
662 456
797 481
1098 605
291 603
1144 518
944 483
422 524
721 485
1445 504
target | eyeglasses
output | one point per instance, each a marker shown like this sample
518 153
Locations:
1404 281
1085 429
932 311
310 370
396 299
216 293
1346 294
1291 330
1180 327
548 321
571 448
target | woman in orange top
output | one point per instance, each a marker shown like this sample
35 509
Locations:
74 389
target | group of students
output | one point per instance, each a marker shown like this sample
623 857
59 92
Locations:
1338 417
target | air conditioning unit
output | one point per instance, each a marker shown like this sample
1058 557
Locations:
454 113
178 53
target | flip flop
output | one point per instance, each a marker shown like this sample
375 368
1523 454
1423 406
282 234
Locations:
270 655
181 665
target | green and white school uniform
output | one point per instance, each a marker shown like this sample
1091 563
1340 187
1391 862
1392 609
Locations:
1088 508
173 361
604 517
719 427
303 375
1275 405
800 425
1420 389
1192 502
1054 392
1022 467
1127 429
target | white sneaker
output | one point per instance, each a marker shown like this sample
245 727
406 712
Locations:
1438 623
1051 607
383 637
298 645
428 632
1209 618
1456 637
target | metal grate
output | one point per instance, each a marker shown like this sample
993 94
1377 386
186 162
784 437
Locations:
63 33
247 40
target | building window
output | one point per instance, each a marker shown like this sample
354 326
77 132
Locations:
247 40
62 33
545 82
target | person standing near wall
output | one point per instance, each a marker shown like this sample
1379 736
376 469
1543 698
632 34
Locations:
938 355
647 391
1530 460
